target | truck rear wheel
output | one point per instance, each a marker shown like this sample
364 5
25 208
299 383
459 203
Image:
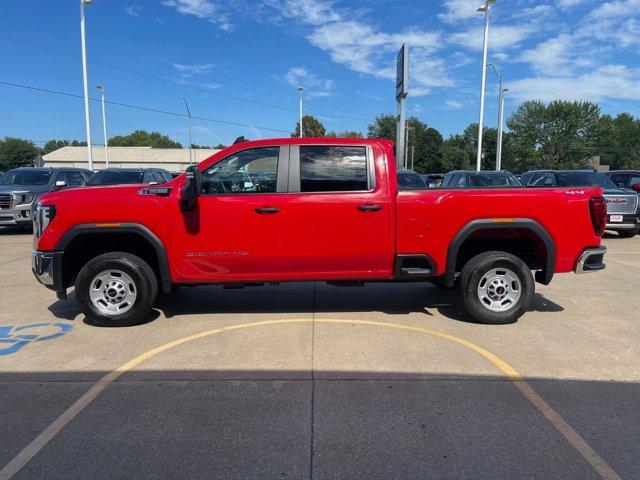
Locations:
116 289
497 287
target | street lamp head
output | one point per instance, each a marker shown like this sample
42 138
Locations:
86 2
100 88
485 7
300 89
505 90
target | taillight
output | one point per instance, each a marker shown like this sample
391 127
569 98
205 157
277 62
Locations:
598 209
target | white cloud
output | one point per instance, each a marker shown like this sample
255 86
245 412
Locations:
616 9
204 9
457 10
313 86
192 70
500 37
554 55
453 105
366 49
603 83
133 10
566 4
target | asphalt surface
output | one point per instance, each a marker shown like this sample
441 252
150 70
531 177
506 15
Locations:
314 381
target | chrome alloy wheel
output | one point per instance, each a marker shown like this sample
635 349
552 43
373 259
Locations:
499 290
112 292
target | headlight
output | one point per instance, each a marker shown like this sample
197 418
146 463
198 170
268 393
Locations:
42 217
23 198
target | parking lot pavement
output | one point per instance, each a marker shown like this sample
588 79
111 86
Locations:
313 381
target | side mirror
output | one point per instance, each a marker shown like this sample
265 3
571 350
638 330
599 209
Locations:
636 187
60 184
191 189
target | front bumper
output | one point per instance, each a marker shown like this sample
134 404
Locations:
18 215
591 260
47 268
629 222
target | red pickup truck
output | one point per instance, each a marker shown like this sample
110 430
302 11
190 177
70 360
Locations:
312 209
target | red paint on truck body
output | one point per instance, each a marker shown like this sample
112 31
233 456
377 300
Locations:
318 236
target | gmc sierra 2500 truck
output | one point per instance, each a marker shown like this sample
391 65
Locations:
312 209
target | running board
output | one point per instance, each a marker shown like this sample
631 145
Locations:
414 267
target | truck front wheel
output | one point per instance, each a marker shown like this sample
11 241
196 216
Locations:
497 287
116 289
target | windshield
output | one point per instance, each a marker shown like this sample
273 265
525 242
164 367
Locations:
582 179
493 180
26 177
115 177
409 181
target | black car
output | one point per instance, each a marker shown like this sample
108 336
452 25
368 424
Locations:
432 180
21 187
482 179
625 178
622 204
123 176
410 180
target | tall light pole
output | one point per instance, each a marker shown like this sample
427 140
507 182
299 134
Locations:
485 47
190 142
87 116
100 89
301 90
501 92
406 145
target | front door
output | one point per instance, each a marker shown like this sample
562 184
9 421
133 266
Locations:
338 215
237 231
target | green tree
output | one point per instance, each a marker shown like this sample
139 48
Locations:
560 134
456 154
53 145
424 144
17 152
142 138
311 127
617 141
384 126
345 134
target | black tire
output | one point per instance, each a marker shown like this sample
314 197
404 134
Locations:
144 280
474 271
629 233
439 283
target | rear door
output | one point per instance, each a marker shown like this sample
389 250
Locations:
339 214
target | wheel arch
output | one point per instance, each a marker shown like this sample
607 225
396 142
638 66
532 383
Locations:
144 234
542 276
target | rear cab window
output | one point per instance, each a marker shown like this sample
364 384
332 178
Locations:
331 168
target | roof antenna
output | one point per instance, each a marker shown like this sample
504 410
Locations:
240 140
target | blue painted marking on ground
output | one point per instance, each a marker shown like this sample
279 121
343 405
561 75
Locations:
16 338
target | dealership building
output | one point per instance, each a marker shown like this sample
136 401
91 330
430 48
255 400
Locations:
172 159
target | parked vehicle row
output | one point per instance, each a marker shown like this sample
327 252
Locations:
621 188
623 206
20 188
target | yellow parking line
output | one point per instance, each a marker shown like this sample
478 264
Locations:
32 449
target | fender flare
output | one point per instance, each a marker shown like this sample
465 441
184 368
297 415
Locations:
136 228
543 276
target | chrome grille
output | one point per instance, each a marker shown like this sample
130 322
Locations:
6 200
621 203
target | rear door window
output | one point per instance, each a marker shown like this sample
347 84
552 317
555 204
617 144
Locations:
334 168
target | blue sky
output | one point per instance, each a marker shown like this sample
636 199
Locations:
239 61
